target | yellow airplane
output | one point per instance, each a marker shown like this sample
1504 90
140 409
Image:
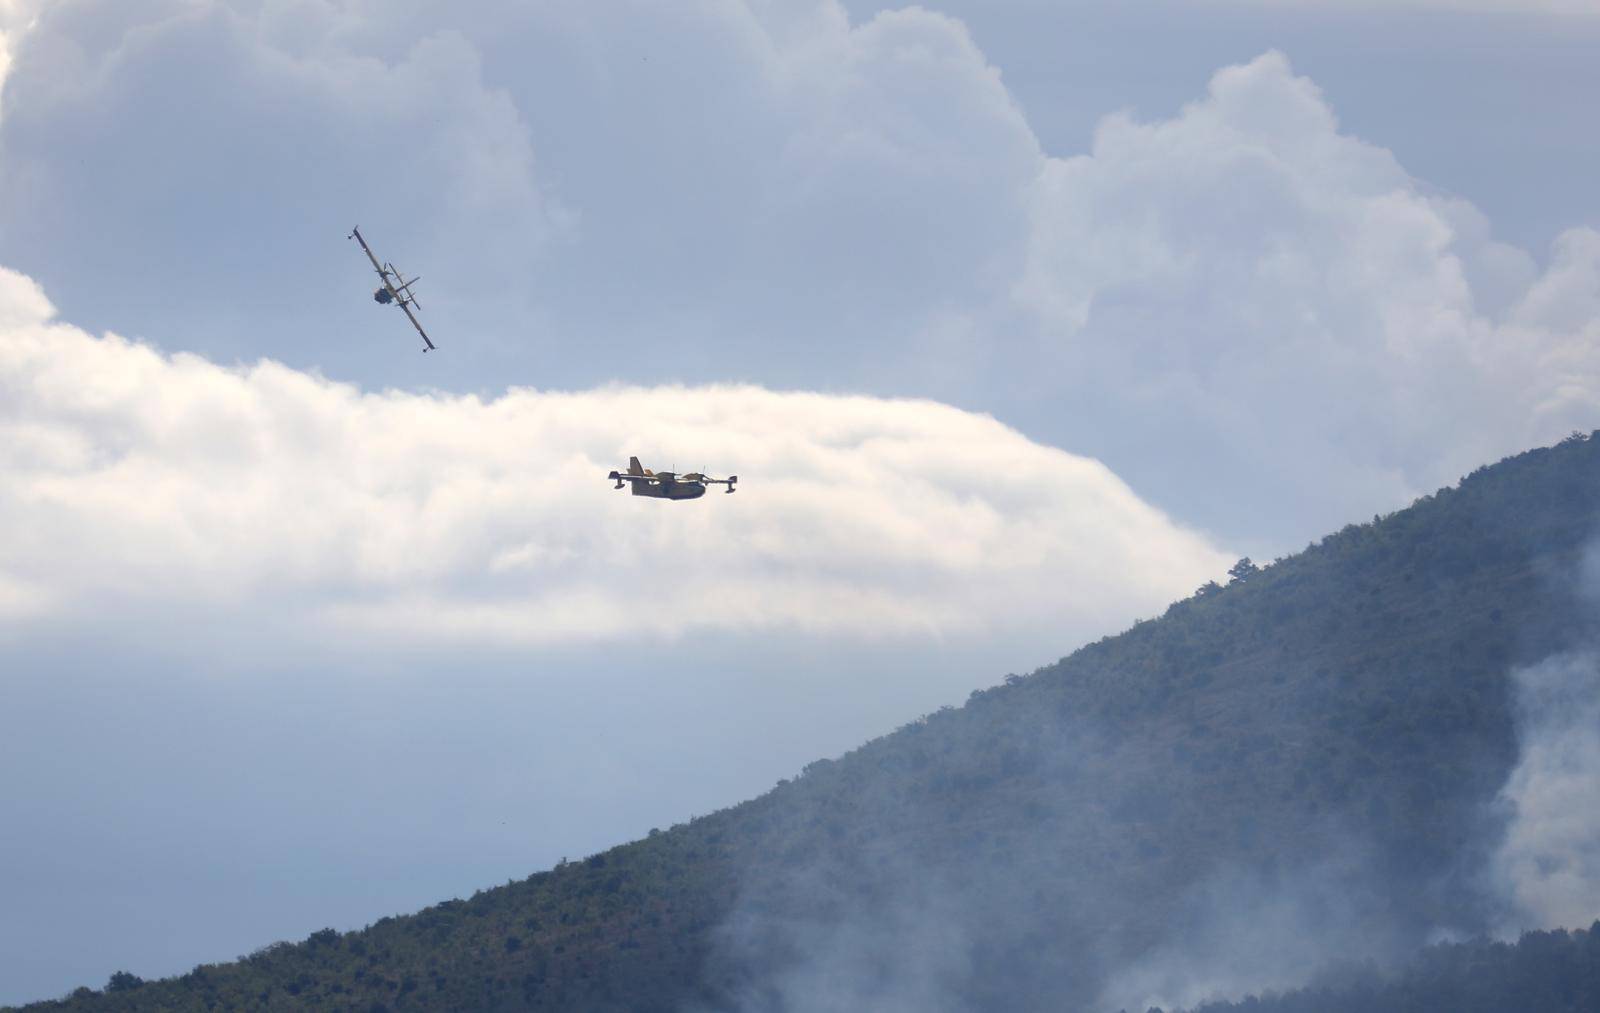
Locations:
666 484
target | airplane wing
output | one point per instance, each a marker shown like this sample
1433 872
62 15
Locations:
355 234
405 305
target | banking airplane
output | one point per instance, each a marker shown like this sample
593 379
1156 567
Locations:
395 288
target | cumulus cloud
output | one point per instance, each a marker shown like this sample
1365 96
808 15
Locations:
660 183
16 17
1249 313
151 480
1247 276
235 145
1536 7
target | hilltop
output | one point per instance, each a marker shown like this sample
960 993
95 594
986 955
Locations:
1303 763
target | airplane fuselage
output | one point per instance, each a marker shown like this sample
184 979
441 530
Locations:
667 484
668 487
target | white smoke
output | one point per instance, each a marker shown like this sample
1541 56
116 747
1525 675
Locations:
906 951
1245 932
1547 867
1549 862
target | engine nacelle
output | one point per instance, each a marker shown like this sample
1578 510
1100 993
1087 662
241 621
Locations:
382 297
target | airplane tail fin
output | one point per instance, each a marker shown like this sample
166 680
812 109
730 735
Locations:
634 467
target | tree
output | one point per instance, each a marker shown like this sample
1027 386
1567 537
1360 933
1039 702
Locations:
1242 570
122 981
323 937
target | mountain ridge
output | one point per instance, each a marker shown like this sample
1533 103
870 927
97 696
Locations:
1318 745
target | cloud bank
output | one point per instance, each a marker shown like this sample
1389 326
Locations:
132 480
1249 313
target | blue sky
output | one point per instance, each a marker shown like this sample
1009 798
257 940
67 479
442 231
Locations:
1017 320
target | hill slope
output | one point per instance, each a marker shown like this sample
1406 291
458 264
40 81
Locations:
1543 972
1302 763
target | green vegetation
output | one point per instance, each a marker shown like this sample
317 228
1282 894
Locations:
1346 709
1545 972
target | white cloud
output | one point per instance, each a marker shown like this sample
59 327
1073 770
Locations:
138 481
1255 318
1533 7
662 183
16 17
244 140
1249 279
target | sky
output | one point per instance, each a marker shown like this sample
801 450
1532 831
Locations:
1017 321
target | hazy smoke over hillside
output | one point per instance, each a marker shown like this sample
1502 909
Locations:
1287 831
906 947
926 940
1548 866
1243 932
1549 863
1023 918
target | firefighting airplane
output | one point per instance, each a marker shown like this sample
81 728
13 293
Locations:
665 484
395 288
